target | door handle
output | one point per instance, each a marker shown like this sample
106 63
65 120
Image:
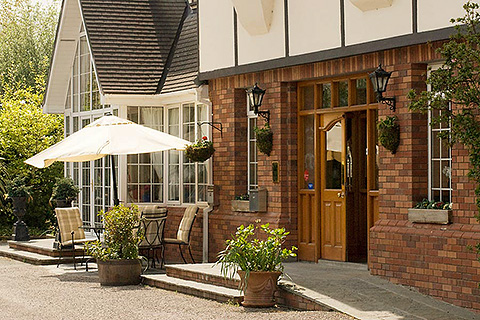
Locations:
341 195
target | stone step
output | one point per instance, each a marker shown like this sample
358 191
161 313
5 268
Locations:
208 273
203 290
43 247
36 258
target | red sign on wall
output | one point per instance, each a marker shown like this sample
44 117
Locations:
306 175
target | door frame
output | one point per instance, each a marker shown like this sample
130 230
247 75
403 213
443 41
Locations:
311 250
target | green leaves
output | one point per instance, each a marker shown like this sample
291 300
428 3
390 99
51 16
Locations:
121 237
26 42
245 251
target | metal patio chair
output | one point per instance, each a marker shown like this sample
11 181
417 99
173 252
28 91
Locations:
71 232
184 231
152 225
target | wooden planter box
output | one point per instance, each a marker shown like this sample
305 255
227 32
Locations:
241 205
430 216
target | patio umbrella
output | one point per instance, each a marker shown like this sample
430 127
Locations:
109 135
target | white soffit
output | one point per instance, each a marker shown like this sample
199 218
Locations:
255 15
63 55
141 100
367 5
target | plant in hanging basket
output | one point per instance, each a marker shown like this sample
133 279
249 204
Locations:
389 133
200 151
264 139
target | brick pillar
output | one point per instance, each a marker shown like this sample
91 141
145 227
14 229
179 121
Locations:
403 176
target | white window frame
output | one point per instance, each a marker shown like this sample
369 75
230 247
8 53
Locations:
208 163
431 189
70 114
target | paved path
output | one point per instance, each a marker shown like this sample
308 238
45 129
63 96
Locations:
45 292
349 287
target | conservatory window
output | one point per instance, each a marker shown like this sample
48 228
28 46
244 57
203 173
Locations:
169 176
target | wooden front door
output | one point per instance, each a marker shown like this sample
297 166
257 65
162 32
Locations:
333 202
337 168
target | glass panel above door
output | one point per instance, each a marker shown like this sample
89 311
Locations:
308 95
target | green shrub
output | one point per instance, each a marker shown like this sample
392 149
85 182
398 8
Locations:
248 253
121 237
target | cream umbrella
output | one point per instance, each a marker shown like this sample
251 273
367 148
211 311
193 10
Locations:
109 135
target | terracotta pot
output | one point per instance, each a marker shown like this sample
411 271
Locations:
260 288
119 272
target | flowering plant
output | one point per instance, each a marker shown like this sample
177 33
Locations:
439 205
200 151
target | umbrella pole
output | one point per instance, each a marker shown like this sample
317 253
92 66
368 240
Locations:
116 202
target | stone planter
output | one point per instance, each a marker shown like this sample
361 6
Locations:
119 272
259 289
241 205
63 203
434 216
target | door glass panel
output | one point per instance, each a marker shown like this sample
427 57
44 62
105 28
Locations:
309 152
334 145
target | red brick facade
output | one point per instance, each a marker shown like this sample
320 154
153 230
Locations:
431 258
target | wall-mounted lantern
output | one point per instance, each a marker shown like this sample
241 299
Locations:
380 79
255 95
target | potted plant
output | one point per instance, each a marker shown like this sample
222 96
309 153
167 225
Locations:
389 133
19 193
117 257
200 151
241 203
264 139
64 192
258 262
437 212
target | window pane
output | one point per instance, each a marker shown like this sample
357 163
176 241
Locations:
308 94
326 95
309 151
361 91
342 93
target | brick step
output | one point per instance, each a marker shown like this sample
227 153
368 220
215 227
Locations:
36 258
208 273
202 290
43 247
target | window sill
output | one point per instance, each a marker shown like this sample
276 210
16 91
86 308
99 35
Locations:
433 216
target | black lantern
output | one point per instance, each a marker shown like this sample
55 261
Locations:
379 79
255 95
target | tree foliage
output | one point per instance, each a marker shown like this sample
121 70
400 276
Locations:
24 131
454 97
27 32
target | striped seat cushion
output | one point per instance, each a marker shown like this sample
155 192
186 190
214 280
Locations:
70 219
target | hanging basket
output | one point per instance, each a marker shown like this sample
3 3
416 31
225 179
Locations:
264 139
389 133
200 151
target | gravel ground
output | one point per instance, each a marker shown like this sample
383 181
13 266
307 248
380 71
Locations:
34 292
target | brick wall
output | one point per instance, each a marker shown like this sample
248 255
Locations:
432 258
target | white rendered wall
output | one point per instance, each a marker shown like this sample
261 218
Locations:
314 25
263 47
436 14
377 24
216 34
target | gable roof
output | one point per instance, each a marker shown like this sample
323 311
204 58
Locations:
132 41
183 71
